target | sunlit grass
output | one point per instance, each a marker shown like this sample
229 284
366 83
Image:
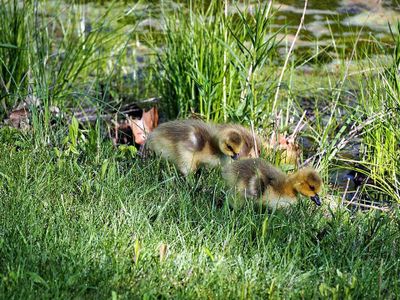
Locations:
71 227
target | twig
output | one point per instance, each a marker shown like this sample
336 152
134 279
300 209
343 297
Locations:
254 139
345 190
89 114
224 94
299 125
383 208
150 100
354 196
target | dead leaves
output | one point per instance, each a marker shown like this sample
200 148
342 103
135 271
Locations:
133 130
285 146
142 127
19 119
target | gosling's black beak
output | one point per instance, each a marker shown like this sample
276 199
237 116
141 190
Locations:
316 199
235 156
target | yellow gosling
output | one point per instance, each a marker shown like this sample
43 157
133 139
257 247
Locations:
260 181
192 143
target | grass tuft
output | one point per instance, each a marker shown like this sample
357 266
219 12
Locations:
214 63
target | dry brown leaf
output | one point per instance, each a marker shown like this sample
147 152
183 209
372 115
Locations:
150 119
138 130
141 128
290 150
134 131
163 251
19 118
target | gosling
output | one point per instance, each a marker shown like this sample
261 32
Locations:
250 143
263 183
190 144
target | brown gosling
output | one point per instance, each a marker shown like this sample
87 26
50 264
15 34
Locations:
262 182
192 143
250 144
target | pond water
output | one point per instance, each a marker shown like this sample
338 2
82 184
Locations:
324 19
341 21
329 24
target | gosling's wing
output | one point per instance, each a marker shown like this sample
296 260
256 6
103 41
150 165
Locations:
184 131
256 186
270 175
199 136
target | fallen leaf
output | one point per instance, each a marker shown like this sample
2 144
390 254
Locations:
287 146
142 127
163 251
19 118
150 119
138 130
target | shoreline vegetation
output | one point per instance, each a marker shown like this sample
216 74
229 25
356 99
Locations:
81 218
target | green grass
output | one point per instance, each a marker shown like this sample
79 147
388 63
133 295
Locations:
71 227
216 64
80 218
13 51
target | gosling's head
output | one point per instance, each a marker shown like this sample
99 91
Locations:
230 142
308 183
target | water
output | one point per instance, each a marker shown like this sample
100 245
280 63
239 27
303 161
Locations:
330 24
325 20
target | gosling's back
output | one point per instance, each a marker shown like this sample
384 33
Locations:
192 133
251 177
187 143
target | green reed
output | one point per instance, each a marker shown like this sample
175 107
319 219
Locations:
381 99
217 62
14 51
58 53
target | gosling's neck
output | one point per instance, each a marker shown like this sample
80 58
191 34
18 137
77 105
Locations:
288 185
284 185
214 144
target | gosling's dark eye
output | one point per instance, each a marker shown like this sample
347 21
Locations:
230 148
312 187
